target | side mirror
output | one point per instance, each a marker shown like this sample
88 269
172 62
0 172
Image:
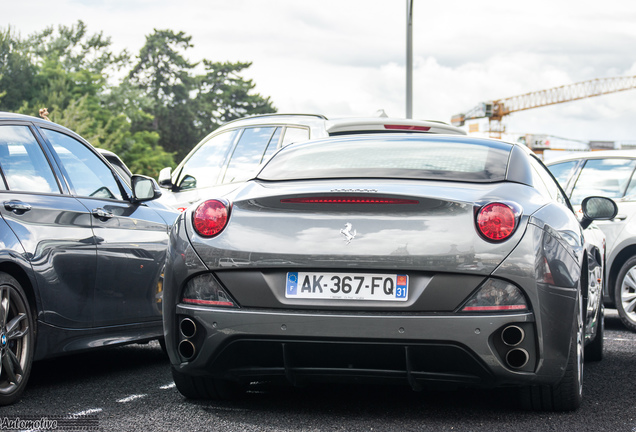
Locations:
188 182
144 188
165 178
597 208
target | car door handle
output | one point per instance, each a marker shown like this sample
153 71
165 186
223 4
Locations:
102 214
17 207
620 217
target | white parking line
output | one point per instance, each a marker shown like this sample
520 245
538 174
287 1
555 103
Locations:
88 412
622 340
132 398
168 386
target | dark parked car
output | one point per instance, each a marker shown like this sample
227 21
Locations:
610 174
423 260
81 252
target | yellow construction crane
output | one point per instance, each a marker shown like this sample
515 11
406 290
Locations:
496 110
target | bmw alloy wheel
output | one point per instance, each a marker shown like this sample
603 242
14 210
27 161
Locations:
16 339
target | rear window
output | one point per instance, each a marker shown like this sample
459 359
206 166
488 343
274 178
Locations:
444 159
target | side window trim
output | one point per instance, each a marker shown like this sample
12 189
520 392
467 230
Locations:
43 145
64 172
228 160
179 173
53 161
228 157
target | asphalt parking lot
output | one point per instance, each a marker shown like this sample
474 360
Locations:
131 389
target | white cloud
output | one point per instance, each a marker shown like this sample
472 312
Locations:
347 57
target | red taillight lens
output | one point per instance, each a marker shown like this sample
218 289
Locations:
347 200
496 221
210 217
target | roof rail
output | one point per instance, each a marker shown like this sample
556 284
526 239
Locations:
320 116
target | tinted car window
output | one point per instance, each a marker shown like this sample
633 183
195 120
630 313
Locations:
87 173
23 163
605 177
631 189
248 153
203 167
399 158
561 171
294 134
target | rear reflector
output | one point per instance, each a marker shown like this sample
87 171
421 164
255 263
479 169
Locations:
408 128
347 200
207 302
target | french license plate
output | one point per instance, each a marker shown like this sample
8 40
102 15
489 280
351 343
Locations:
344 286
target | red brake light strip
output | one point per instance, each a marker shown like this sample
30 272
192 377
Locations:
408 127
347 200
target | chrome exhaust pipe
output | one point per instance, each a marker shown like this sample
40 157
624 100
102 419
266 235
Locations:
188 328
187 349
512 335
517 358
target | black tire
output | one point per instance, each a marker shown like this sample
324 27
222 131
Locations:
625 294
17 339
594 350
567 394
199 387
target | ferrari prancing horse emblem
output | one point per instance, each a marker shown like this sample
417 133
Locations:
348 232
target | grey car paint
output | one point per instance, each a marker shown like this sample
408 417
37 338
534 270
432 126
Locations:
434 242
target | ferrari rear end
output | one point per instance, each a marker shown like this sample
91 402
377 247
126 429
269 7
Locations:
423 261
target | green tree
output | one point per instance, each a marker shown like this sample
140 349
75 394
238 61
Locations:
223 95
162 103
17 72
186 106
72 72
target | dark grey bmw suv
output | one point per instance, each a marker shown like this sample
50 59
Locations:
81 251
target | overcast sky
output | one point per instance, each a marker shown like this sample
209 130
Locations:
348 57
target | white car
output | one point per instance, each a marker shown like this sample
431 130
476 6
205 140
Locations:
610 174
233 153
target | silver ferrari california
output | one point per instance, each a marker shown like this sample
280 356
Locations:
421 260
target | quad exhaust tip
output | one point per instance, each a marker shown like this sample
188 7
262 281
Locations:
512 335
188 328
517 358
187 349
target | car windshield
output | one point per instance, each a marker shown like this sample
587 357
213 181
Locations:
403 157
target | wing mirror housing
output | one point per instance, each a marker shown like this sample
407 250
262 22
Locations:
597 208
165 178
144 188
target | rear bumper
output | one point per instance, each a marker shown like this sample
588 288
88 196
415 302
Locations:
418 350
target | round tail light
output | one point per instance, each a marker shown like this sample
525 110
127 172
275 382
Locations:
496 221
211 217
